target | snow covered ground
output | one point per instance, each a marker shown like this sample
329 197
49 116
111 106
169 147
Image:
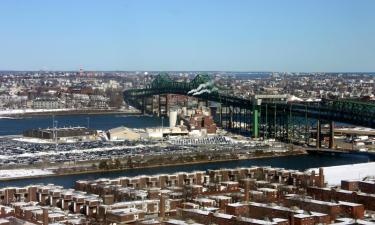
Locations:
22 111
33 140
334 174
4 174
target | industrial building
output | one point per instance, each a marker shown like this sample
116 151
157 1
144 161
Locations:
123 133
62 134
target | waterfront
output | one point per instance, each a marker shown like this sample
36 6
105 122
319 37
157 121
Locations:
301 162
99 122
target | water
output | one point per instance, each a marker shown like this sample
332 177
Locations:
99 122
302 162
105 122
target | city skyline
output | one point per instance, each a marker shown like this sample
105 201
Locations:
247 112
291 36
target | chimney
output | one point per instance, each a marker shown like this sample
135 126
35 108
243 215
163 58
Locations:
3 211
31 194
321 177
17 210
8 196
45 216
291 219
162 207
246 190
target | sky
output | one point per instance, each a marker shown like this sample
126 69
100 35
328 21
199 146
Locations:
205 35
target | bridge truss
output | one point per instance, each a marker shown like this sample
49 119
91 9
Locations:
285 121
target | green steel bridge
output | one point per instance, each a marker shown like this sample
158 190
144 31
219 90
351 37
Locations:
287 121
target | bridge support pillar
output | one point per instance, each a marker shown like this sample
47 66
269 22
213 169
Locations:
148 105
331 134
166 105
144 105
163 105
318 133
230 117
159 106
152 106
255 119
221 115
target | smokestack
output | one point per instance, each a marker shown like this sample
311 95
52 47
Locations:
45 216
162 207
172 118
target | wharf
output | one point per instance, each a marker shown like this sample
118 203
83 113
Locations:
369 155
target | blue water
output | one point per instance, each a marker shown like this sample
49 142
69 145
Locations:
100 122
302 162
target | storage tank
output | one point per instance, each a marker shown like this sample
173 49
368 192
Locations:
172 118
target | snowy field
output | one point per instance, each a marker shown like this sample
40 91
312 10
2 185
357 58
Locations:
334 174
4 174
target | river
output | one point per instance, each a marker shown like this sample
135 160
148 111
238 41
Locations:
105 122
99 122
301 162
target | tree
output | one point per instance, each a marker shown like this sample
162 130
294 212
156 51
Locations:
103 165
130 162
117 164
115 98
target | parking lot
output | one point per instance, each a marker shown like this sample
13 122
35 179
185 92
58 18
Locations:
14 153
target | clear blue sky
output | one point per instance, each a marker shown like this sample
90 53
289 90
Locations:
263 35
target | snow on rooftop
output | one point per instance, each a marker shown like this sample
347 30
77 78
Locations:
301 216
223 215
181 222
334 174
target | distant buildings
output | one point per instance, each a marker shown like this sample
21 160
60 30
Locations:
19 90
46 103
